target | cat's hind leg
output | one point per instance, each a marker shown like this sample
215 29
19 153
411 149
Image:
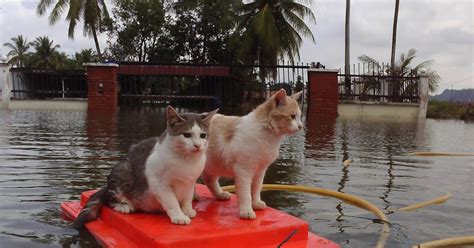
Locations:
257 182
212 183
123 207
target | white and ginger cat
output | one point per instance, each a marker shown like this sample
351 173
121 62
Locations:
243 147
159 173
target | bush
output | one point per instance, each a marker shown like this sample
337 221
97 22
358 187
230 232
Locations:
449 110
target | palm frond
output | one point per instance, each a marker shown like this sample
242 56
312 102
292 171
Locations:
42 6
57 11
301 10
298 24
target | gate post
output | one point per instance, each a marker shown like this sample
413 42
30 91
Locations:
102 86
423 90
323 93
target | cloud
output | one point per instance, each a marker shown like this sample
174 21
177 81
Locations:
20 18
441 30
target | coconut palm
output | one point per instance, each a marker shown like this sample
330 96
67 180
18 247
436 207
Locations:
44 52
403 68
85 56
91 12
394 32
347 49
273 29
18 53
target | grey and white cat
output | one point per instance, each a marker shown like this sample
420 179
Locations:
159 173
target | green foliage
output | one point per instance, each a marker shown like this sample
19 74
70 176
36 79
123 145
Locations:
18 54
404 68
449 110
197 31
269 30
137 26
46 55
92 13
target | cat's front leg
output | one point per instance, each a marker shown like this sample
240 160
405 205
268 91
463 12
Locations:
212 183
257 182
170 204
243 181
187 203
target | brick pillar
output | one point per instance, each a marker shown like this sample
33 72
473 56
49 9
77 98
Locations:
102 86
323 94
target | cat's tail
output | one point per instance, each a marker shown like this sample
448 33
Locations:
91 211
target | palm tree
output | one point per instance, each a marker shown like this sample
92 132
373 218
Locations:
18 53
85 56
272 29
403 68
394 32
91 12
45 52
347 52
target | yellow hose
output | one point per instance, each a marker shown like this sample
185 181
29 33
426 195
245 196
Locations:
438 200
350 199
466 240
361 203
438 154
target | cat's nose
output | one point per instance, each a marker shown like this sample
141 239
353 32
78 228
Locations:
300 127
197 146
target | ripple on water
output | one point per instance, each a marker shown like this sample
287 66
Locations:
48 157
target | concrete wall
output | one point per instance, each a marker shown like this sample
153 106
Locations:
67 105
377 110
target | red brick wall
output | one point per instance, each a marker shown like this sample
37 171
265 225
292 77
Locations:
179 70
323 94
102 87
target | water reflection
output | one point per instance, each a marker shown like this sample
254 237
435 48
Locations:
50 157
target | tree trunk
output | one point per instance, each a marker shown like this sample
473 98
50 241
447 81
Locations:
394 34
396 83
347 49
94 34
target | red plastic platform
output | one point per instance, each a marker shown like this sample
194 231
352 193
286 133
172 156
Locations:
217 224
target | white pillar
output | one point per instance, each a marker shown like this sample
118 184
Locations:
423 89
5 84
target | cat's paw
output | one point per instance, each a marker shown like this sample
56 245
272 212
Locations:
191 213
123 208
223 196
180 220
259 205
247 214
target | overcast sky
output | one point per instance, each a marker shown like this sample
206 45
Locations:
441 30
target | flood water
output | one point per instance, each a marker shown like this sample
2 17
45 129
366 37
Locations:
47 157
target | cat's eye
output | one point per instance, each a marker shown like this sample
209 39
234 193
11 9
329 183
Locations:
187 135
203 135
293 117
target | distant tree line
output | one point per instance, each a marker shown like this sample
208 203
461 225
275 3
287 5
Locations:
44 54
199 31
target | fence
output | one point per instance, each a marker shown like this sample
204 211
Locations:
204 86
374 82
184 85
48 84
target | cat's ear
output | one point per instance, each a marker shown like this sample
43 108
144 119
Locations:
207 116
297 96
173 117
279 98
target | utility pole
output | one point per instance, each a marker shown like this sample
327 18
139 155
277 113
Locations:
451 92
